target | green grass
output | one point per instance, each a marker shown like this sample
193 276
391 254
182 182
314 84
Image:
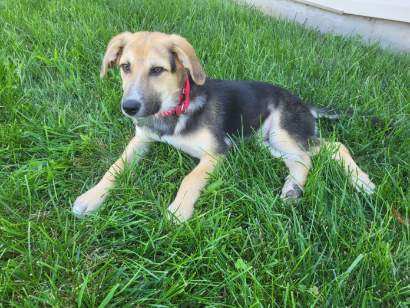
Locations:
61 128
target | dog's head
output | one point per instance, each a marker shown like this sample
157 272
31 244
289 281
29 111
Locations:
153 69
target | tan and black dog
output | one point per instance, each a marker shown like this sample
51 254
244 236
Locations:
169 98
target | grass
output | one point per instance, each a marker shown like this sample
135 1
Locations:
61 128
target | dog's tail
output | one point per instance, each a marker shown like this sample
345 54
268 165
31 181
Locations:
323 112
332 114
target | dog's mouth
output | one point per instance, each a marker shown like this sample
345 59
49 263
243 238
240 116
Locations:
164 109
154 110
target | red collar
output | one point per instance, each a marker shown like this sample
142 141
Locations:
183 101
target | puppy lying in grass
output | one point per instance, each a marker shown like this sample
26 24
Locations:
169 99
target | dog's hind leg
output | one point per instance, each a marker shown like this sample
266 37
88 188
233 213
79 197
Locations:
298 162
339 152
282 145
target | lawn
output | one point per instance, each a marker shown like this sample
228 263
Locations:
61 128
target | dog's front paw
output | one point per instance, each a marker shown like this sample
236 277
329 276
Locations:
291 190
363 182
89 201
180 212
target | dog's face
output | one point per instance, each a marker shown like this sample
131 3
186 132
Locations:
153 69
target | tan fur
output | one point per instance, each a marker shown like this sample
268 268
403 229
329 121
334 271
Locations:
186 54
340 153
144 50
91 200
282 145
199 144
196 144
114 50
299 162
183 205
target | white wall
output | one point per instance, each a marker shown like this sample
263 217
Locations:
393 35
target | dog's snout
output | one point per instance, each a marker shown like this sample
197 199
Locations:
131 106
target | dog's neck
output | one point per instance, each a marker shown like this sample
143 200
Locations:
198 98
175 124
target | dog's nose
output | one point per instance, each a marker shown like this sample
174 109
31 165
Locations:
131 106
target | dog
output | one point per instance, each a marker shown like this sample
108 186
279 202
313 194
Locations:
169 98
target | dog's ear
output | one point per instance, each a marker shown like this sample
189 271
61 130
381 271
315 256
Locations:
114 51
186 54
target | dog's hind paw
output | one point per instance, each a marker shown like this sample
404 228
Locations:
291 190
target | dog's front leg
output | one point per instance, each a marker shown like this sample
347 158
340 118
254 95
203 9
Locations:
92 199
190 189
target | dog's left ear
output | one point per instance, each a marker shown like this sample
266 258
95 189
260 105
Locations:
186 54
114 51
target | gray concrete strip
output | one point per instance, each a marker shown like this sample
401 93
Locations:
393 35
394 10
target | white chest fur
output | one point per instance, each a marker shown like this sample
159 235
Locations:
196 144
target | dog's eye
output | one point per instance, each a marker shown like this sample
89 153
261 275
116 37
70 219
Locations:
126 67
156 70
